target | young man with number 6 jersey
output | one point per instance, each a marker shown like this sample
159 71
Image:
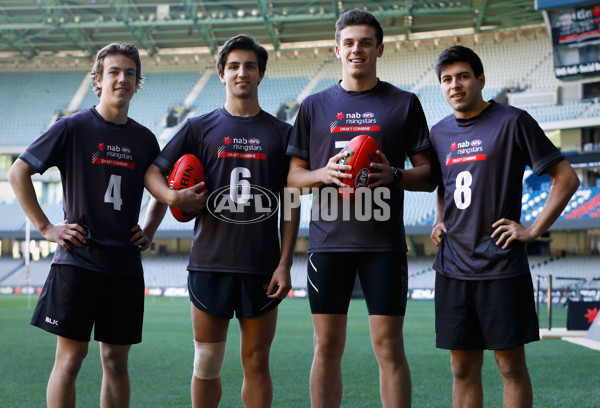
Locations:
96 277
373 248
483 289
235 265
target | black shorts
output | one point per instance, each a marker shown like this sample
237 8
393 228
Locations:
383 277
74 300
487 314
221 294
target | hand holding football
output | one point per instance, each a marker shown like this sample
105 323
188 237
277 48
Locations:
362 151
188 171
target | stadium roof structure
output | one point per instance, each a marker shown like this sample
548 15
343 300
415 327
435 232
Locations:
76 29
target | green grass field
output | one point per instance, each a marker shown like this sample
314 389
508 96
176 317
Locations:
563 375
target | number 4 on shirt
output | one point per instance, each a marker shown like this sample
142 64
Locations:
113 192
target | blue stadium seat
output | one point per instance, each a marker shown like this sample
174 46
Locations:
30 100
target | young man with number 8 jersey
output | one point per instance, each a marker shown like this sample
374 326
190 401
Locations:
236 264
483 289
96 278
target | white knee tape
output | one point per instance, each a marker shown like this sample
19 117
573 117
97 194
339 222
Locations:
208 360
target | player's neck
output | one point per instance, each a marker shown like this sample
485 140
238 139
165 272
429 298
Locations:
352 84
242 106
113 114
473 112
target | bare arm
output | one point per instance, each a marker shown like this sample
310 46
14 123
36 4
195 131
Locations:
154 216
191 200
281 283
565 184
142 237
415 179
438 224
19 177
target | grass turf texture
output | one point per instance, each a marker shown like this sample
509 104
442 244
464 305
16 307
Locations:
563 374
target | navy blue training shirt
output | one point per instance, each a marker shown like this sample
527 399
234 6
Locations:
102 167
326 121
480 162
246 168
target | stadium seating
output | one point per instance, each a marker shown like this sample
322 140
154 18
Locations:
408 67
419 208
585 203
420 273
532 204
36 276
54 212
211 97
553 113
571 272
165 271
161 92
305 212
12 216
323 84
289 79
90 99
298 272
29 101
169 223
161 271
594 110
568 273
8 266
274 92
594 284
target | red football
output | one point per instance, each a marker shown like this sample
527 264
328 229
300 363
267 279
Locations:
361 153
187 172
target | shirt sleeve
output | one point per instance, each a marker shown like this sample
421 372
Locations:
299 144
435 176
48 150
539 152
419 132
181 143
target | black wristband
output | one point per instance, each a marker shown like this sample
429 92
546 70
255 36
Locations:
397 176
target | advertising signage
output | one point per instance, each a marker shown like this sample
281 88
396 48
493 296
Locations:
575 32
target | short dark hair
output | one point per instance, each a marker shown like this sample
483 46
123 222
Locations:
242 42
458 53
358 17
125 49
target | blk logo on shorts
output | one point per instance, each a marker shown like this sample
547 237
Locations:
51 321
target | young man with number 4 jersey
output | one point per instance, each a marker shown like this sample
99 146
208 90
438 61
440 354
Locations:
372 246
96 276
483 290
235 264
